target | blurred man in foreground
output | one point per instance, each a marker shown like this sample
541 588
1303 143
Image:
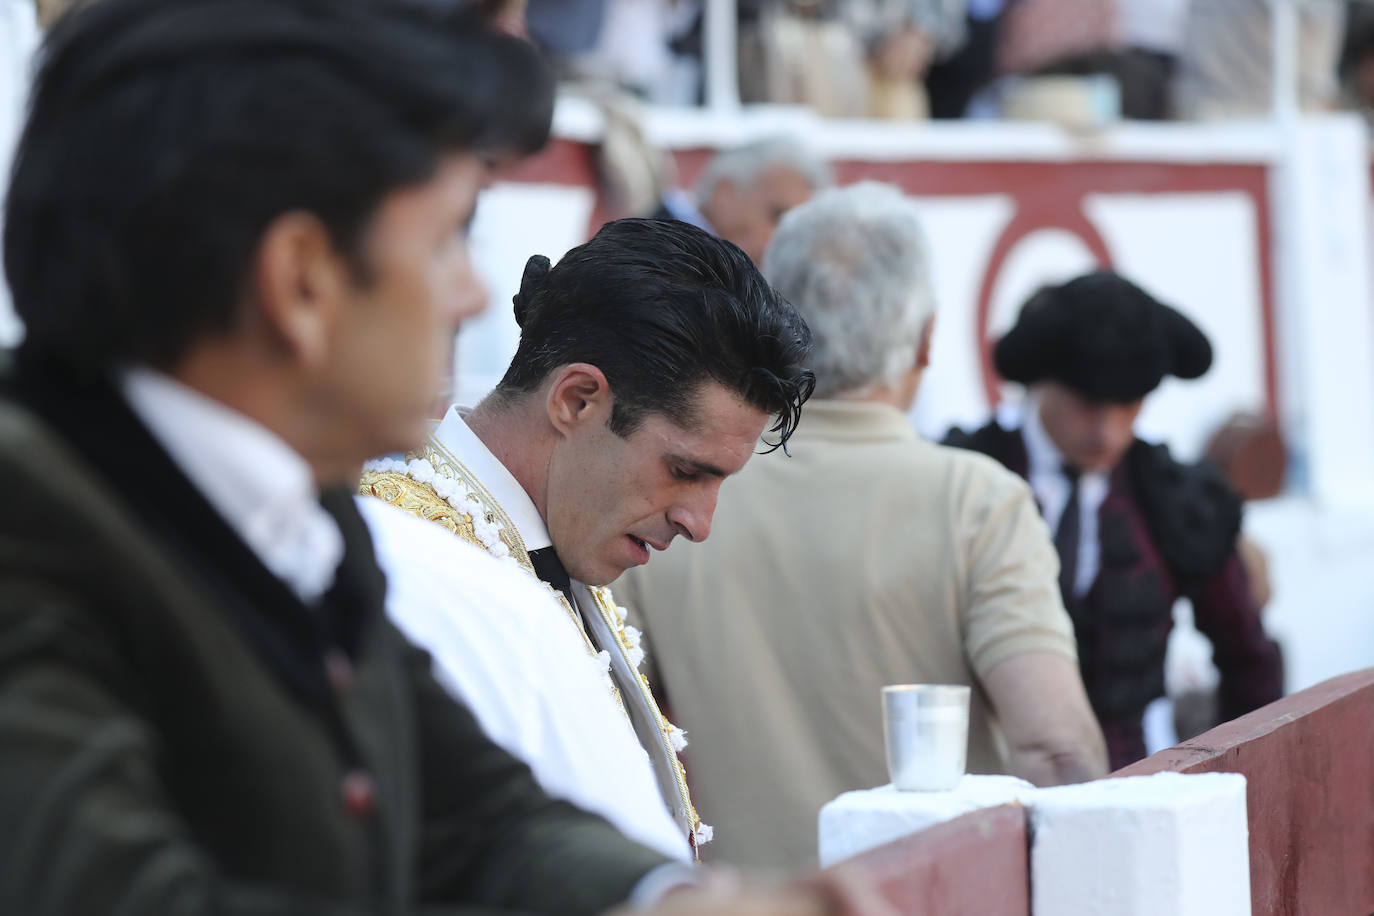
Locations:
235 233
868 557
1134 528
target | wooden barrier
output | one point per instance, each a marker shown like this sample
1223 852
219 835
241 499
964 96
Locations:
974 865
1309 763
1308 760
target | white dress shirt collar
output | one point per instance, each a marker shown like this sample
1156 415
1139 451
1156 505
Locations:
1045 472
258 484
454 434
1042 455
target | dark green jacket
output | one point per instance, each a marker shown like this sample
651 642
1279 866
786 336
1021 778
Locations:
179 734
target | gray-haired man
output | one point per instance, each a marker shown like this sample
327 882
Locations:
744 192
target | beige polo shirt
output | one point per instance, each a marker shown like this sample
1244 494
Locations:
869 557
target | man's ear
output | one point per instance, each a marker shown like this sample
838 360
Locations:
300 281
579 395
923 345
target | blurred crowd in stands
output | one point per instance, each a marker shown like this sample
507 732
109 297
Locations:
1079 61
1082 62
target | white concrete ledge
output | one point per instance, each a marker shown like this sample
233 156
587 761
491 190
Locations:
1141 846
1233 142
859 821
1138 846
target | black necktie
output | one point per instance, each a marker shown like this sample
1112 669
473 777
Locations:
1066 539
548 567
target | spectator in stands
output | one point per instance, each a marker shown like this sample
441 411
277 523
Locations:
952 83
1134 42
1357 58
901 40
564 29
743 193
1226 62
867 557
650 48
846 58
1134 528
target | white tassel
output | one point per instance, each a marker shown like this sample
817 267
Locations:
421 470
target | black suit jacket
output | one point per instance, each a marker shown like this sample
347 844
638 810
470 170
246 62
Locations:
181 734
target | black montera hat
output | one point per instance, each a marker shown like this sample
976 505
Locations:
1102 336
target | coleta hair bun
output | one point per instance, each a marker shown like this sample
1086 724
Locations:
536 270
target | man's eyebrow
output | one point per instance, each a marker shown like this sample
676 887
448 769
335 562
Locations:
700 467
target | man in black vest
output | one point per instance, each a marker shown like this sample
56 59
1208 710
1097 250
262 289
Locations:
236 236
1134 528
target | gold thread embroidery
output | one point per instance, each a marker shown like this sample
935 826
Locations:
606 606
422 501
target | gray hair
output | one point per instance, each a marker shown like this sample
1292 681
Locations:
743 165
854 263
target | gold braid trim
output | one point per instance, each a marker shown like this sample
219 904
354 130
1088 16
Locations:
606 606
422 501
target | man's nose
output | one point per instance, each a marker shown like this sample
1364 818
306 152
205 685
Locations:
1101 424
692 517
469 295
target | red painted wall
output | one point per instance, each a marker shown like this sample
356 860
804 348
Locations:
974 865
1309 763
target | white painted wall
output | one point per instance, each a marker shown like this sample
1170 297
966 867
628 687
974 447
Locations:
1141 846
513 222
18 38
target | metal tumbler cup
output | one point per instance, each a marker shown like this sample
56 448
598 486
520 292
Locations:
925 727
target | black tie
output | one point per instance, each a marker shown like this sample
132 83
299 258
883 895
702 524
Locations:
548 567
1066 539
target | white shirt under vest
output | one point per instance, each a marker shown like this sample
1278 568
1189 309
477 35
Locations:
257 483
1052 488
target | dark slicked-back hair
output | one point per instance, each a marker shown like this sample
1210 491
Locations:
660 307
166 135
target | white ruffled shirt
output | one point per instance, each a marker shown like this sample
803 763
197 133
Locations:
504 646
258 484
455 435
